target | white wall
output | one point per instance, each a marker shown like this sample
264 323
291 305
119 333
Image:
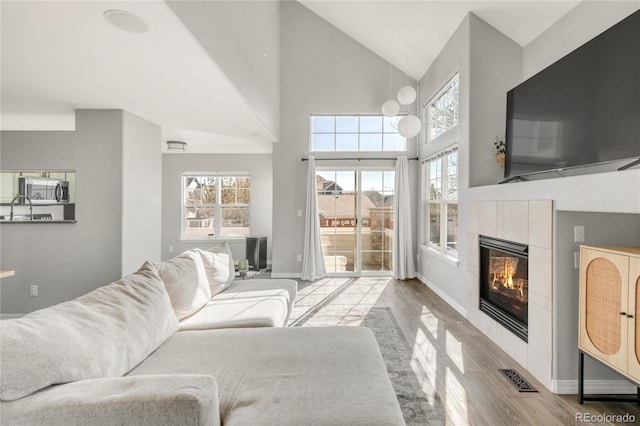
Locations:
243 38
322 71
141 195
260 166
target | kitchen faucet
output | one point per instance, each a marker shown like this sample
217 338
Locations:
17 197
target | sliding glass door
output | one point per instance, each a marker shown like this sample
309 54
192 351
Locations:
356 220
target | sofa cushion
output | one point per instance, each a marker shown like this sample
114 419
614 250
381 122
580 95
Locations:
218 265
247 303
186 282
104 333
165 399
263 311
286 376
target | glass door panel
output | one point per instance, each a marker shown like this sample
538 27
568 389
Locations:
376 207
337 209
356 220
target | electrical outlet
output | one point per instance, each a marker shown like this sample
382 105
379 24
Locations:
578 234
170 249
33 290
576 259
299 257
299 213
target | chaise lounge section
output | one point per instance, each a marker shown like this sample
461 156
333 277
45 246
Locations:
140 351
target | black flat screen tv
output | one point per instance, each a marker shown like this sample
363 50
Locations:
584 109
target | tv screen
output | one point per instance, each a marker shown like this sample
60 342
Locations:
583 109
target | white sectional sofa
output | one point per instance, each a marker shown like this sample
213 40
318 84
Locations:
151 349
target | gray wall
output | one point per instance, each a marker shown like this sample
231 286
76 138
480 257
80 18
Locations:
447 278
261 209
488 64
496 67
243 39
322 71
66 260
600 229
141 195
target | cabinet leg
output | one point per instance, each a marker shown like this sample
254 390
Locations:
581 379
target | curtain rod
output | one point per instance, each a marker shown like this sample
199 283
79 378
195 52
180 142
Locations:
357 159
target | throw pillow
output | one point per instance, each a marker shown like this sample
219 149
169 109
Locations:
186 282
218 264
104 333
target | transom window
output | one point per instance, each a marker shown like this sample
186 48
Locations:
441 174
356 133
442 113
215 205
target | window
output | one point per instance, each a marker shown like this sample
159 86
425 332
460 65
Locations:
215 205
441 175
442 113
358 133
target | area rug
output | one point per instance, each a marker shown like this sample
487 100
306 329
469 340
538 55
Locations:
417 407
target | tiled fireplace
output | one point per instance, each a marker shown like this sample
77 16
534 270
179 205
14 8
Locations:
527 226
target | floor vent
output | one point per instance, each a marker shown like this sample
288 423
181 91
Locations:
514 377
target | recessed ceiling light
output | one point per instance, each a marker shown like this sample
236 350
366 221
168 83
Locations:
126 21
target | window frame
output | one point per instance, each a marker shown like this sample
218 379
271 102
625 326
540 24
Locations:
444 202
218 206
358 133
438 96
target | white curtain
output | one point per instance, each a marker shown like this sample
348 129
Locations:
313 259
403 266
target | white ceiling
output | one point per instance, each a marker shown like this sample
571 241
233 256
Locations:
62 55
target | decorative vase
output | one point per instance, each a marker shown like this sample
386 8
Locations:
243 266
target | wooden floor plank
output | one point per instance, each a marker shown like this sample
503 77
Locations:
453 358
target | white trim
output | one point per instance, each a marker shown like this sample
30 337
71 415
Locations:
455 305
10 316
445 257
593 387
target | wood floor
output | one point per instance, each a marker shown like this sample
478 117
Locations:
451 357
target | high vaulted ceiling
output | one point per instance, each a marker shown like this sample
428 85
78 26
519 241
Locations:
63 55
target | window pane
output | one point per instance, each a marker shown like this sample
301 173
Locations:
434 224
435 179
370 142
371 181
322 124
452 226
199 221
367 133
370 124
346 142
322 142
243 196
235 221
347 124
394 142
390 124
444 109
452 176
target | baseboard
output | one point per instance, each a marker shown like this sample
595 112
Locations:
294 275
455 305
10 316
593 387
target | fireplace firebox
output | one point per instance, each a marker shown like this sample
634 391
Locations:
504 283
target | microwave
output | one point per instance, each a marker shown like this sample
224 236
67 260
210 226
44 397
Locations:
42 191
